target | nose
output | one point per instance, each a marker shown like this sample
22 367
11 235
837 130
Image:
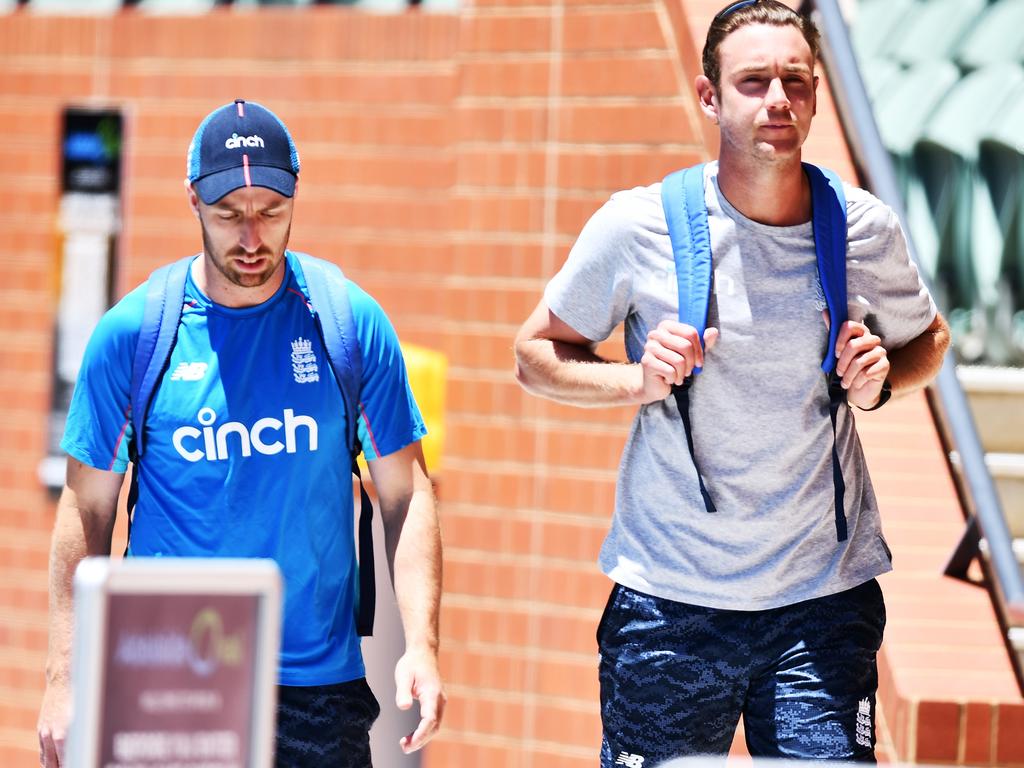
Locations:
249 237
777 98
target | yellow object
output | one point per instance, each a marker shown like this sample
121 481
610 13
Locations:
428 376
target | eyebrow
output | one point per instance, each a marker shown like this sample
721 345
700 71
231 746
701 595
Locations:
225 208
799 67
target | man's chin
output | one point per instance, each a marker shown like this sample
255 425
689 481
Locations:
250 279
779 151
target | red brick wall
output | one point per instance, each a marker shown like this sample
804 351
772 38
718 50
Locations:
448 162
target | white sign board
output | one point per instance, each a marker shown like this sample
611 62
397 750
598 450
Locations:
175 663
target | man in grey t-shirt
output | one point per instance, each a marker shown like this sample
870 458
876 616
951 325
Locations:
760 608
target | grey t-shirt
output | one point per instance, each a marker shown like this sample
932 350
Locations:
759 409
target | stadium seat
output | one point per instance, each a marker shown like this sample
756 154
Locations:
878 74
174 7
75 7
874 23
997 37
1001 158
946 158
902 109
932 29
255 3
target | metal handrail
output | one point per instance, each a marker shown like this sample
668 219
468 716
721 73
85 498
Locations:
946 396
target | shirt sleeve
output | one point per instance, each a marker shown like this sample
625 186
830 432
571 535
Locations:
98 427
389 418
885 289
592 292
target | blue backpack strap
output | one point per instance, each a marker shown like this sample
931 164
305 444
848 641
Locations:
828 215
165 294
686 213
326 287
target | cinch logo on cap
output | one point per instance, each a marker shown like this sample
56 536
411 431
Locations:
237 141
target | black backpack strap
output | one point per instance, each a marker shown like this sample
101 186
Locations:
682 395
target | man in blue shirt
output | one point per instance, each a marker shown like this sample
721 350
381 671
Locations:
247 454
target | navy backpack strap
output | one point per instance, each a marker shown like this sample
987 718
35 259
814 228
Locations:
165 295
326 286
828 204
686 213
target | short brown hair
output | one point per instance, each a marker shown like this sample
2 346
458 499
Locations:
740 14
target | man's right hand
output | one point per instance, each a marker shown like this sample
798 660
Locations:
54 715
671 353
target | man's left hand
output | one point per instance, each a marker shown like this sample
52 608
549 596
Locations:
862 363
417 677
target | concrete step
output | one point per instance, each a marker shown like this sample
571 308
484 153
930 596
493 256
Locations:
1007 470
1008 473
996 397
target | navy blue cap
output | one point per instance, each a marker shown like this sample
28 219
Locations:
239 145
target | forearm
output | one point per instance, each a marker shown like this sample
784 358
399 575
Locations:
413 542
76 535
575 375
916 364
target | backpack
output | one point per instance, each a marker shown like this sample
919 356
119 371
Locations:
324 286
686 214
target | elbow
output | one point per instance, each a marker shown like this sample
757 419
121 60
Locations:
522 368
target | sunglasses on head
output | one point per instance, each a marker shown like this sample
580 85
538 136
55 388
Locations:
731 9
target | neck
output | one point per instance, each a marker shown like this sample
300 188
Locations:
776 194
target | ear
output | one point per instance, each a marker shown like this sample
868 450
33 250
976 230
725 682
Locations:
814 103
707 98
193 199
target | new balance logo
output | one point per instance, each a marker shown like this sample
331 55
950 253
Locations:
189 372
864 729
236 141
304 365
630 760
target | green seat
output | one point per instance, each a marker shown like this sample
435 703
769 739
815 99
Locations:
75 7
874 23
253 3
175 7
902 109
1001 158
946 158
932 29
878 74
998 37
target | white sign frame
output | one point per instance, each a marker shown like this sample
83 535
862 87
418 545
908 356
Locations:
97 578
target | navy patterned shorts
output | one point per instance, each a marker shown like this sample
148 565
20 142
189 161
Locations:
675 678
325 726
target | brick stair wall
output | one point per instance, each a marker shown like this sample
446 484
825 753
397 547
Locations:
449 161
